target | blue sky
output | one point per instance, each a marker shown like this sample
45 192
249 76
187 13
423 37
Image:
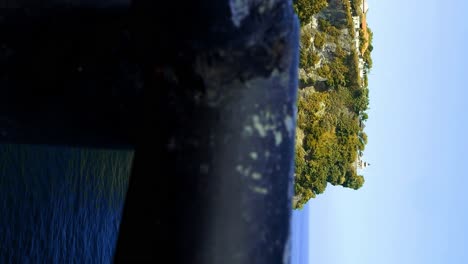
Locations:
413 207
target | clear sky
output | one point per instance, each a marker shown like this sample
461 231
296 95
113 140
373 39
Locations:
413 207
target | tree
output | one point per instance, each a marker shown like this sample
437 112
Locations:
367 59
319 40
364 116
330 134
305 39
340 52
363 136
354 182
306 8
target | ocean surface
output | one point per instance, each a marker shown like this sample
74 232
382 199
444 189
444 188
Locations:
59 204
63 205
300 236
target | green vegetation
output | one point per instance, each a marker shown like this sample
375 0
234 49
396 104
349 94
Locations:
319 40
328 141
306 8
332 102
356 7
349 17
367 54
328 28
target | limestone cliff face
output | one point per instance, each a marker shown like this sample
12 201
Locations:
335 15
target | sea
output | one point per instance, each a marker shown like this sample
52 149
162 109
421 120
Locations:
64 205
300 236
61 204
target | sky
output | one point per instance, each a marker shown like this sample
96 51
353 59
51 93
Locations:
413 207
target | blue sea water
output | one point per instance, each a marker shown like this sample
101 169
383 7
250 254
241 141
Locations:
64 205
61 205
300 236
